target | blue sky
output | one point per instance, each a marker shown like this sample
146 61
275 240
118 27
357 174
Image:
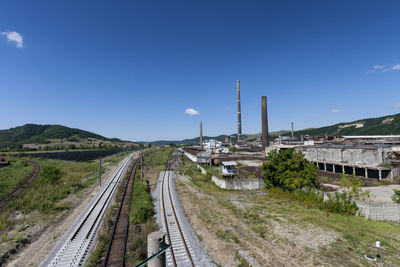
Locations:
130 69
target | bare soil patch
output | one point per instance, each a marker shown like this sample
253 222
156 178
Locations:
256 239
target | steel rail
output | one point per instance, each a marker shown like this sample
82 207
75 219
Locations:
165 215
74 250
175 216
131 179
10 195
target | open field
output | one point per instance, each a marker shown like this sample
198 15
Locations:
273 228
13 175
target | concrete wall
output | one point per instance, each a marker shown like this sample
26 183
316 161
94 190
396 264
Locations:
238 184
191 157
219 182
350 156
203 171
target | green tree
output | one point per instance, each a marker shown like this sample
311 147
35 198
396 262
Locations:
288 170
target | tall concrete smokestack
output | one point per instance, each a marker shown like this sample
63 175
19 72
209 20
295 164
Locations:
239 133
264 123
201 135
292 131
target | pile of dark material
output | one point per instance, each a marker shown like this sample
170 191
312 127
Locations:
85 155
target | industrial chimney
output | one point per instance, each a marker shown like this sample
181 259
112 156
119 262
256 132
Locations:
239 134
292 132
201 135
264 123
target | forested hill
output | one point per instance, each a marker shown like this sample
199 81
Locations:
43 134
373 126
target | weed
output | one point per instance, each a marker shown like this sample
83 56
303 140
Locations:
242 262
5 238
18 238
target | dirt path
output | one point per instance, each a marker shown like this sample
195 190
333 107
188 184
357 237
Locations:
45 236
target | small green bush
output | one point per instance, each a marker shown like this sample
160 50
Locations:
50 174
18 238
396 196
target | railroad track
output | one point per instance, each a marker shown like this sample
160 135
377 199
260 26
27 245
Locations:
78 241
115 255
6 199
180 252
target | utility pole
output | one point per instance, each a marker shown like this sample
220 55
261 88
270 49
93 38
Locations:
141 165
100 171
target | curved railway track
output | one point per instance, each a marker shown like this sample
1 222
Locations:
74 247
115 255
180 252
6 199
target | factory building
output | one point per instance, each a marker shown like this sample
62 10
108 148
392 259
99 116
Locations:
369 160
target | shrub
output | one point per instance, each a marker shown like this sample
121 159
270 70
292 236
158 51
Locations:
341 203
396 195
18 238
50 174
288 170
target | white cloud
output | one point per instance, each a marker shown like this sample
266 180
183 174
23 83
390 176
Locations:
335 110
397 105
192 111
14 37
396 67
383 68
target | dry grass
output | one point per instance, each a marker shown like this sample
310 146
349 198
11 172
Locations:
279 230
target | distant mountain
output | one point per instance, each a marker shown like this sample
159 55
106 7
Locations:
196 140
50 134
372 126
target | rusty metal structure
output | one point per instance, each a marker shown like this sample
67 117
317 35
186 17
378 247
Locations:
264 123
239 133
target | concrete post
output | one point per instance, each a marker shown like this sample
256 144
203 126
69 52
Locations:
155 242
333 168
380 175
324 166
343 169
354 171
366 173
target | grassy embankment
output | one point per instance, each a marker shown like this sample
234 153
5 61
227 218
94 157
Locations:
142 210
142 221
264 213
12 176
48 194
